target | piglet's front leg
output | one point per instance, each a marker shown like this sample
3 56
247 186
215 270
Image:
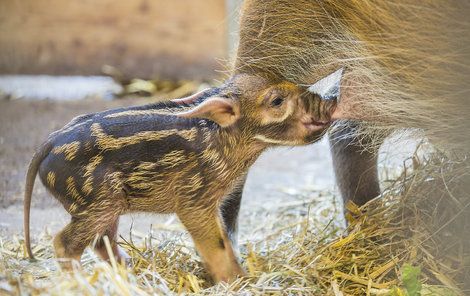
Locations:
211 240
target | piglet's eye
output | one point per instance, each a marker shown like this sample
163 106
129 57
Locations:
277 102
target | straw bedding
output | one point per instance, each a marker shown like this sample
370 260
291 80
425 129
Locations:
413 239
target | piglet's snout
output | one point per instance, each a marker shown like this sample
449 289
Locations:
323 96
320 111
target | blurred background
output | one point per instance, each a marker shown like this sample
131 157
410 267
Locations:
171 43
168 39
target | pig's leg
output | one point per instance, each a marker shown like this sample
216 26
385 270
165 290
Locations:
100 247
211 240
81 232
229 211
355 169
69 243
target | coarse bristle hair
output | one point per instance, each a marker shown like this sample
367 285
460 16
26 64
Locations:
407 62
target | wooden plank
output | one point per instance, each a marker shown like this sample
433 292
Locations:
177 38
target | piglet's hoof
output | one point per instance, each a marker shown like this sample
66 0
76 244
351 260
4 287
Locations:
229 277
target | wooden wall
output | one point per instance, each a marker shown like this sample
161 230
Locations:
143 38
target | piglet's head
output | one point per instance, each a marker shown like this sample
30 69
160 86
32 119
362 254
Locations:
271 112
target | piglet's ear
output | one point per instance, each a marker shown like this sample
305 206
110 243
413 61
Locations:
224 112
192 98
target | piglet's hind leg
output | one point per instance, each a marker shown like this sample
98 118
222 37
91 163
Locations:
70 243
83 231
100 247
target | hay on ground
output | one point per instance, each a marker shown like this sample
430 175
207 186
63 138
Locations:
413 238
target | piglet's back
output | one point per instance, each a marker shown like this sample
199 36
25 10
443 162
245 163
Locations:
110 146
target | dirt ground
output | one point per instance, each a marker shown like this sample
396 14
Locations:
25 124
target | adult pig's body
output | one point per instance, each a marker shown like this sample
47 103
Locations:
406 65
